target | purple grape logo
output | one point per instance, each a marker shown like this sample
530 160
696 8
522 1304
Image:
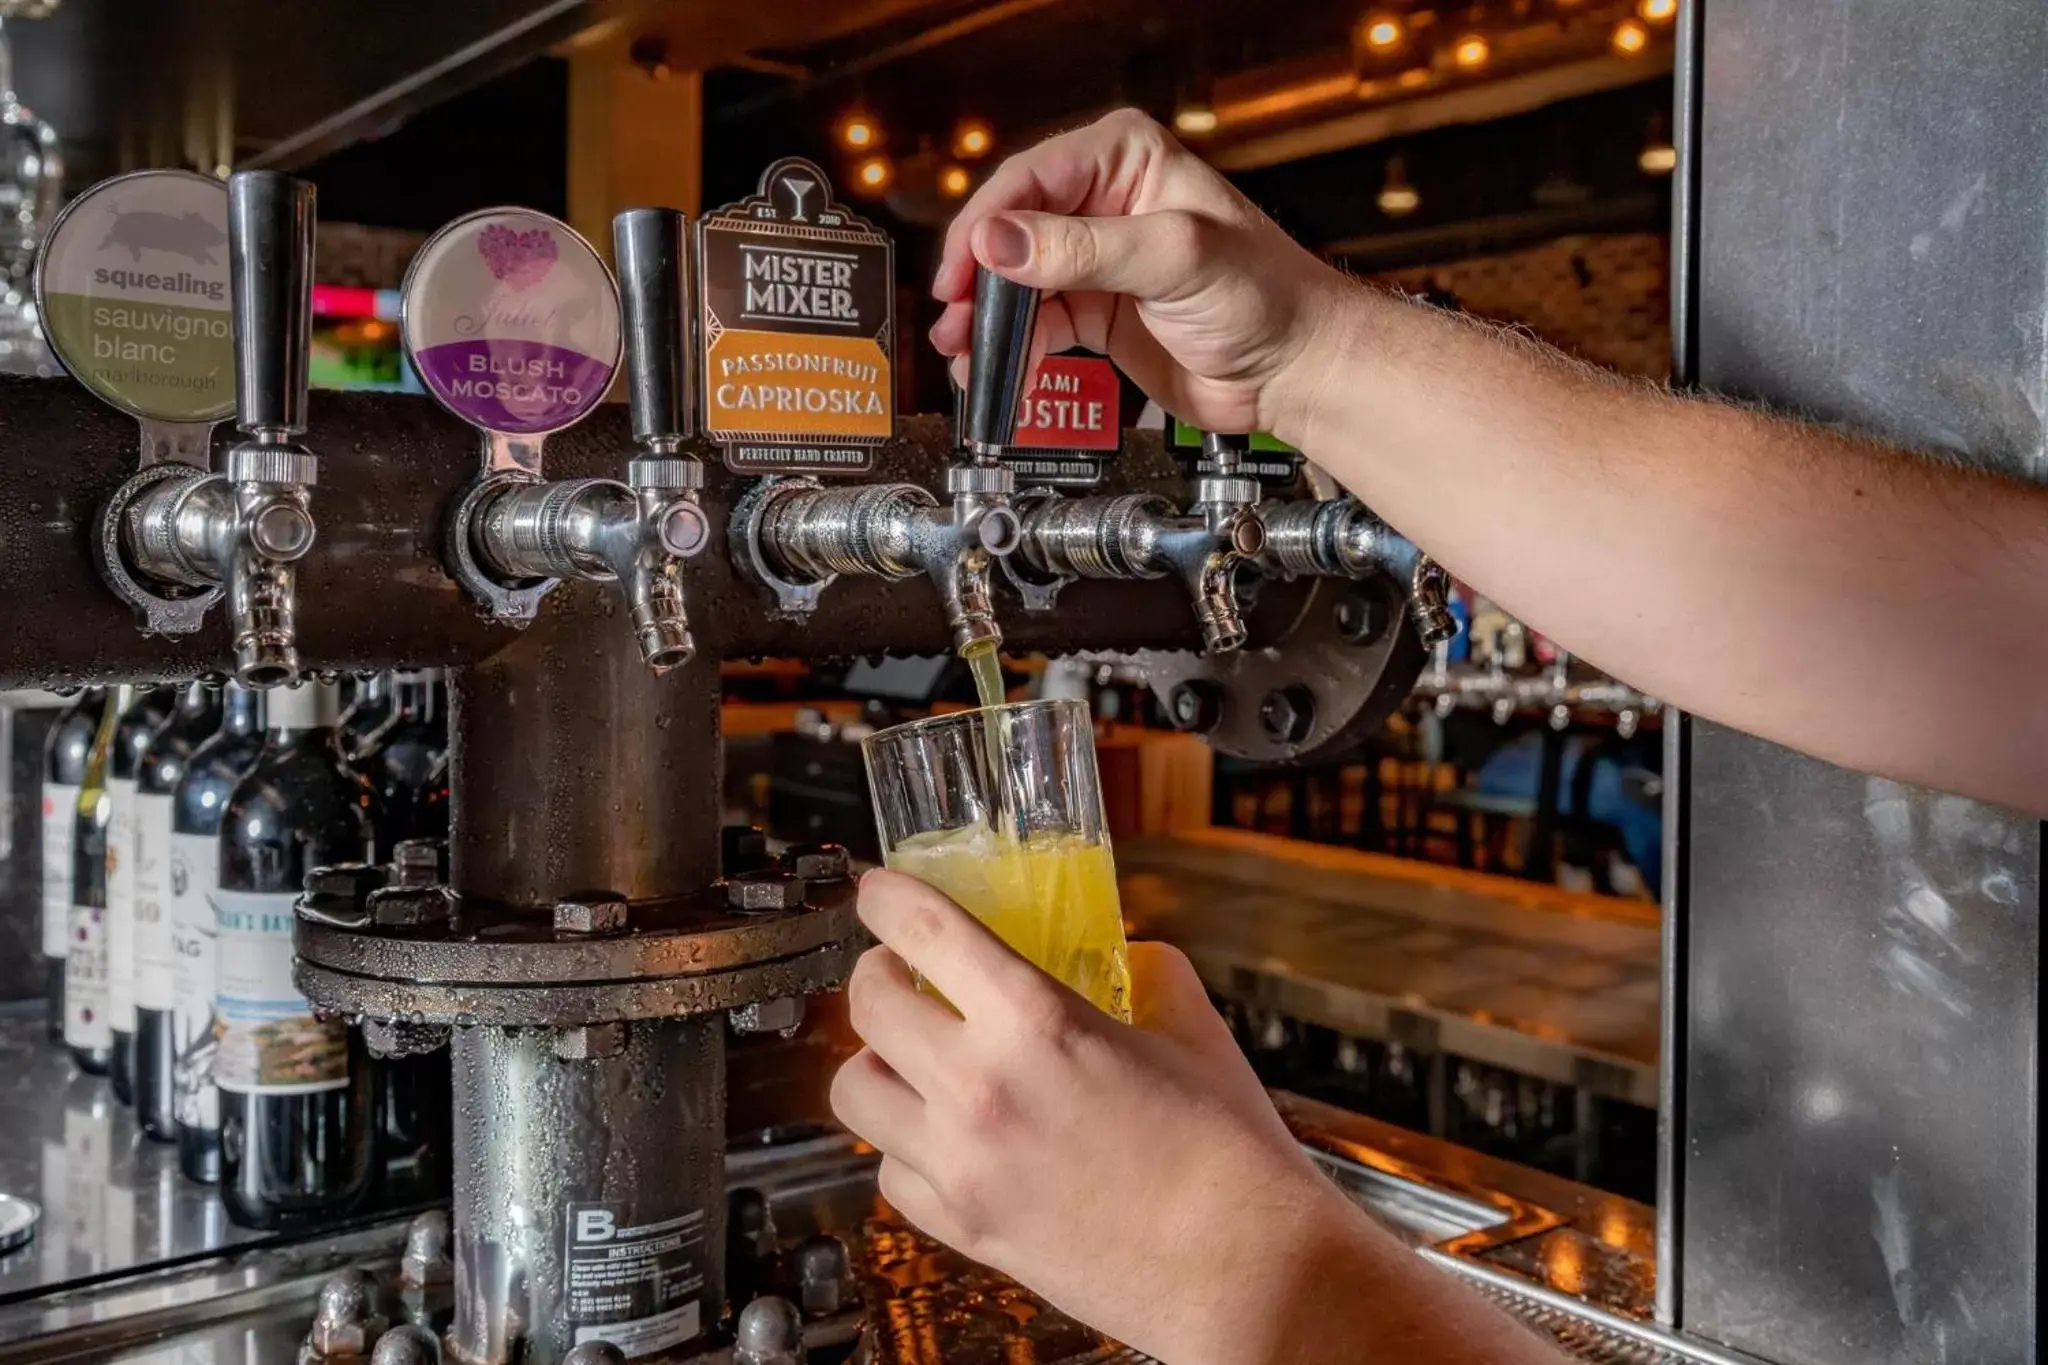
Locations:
521 259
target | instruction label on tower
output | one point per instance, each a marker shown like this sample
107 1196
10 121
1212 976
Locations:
798 303
636 1286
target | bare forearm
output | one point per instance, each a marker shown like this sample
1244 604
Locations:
1869 606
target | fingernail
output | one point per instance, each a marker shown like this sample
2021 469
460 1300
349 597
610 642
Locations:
1006 243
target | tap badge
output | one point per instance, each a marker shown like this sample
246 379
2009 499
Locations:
1271 461
132 287
1069 422
512 321
798 319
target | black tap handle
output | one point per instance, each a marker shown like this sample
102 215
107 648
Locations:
653 291
1005 314
270 265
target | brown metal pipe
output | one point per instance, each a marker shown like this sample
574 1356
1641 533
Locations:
373 594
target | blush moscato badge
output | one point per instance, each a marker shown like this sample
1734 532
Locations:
798 300
132 287
512 321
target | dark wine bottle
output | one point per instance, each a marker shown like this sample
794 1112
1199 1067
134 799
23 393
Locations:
369 711
132 733
407 767
64 761
296 1104
87 1031
197 803
163 764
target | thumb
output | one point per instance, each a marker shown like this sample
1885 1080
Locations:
1152 257
1168 997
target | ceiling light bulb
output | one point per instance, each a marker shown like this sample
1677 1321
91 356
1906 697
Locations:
874 174
1195 120
954 181
1471 51
1658 158
973 138
859 132
1398 198
1657 11
1382 31
1630 37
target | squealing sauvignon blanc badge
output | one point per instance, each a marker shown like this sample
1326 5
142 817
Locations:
799 323
133 289
512 321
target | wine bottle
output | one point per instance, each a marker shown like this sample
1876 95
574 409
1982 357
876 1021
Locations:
406 762
87 1031
295 1099
368 713
26 719
64 761
197 803
132 732
196 720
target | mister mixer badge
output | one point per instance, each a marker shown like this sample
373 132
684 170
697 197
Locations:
799 328
132 285
512 321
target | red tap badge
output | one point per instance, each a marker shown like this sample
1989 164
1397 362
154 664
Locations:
1069 424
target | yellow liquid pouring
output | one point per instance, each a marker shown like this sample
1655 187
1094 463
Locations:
987 670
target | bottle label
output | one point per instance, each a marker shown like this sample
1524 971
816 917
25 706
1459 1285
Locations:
270 1043
85 980
60 820
637 1287
152 863
195 1034
120 917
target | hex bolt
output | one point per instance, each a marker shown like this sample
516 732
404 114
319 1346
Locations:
1288 714
406 1344
770 1332
765 892
824 1275
782 1016
602 912
340 1325
400 907
819 862
351 883
1361 618
426 1260
416 862
590 1042
1195 707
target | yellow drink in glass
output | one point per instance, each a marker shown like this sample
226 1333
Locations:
1053 898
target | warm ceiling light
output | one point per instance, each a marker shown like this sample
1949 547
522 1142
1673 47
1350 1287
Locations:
973 138
954 181
859 132
1657 11
1382 32
1397 198
1195 120
1471 51
1658 158
874 174
1630 37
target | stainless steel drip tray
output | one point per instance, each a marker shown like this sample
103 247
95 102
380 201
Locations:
1573 1261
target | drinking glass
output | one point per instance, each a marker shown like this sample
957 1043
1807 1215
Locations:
1001 809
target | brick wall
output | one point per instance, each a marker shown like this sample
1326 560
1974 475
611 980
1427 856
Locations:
1603 297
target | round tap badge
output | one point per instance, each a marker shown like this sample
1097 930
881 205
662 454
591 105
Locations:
512 321
132 285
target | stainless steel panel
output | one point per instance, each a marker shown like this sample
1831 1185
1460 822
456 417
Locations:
1859 1161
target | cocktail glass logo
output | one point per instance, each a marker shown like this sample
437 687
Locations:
521 259
798 186
189 235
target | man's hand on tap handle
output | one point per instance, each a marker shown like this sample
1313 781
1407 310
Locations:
1136 1176
1818 590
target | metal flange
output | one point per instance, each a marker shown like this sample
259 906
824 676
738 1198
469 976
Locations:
491 966
1319 695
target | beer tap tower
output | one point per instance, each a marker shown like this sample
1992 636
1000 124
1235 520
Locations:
584 957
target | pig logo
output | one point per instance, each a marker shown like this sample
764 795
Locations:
520 259
190 236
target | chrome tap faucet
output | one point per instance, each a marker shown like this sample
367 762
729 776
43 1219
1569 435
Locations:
1341 538
244 531
797 536
635 533
1138 535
